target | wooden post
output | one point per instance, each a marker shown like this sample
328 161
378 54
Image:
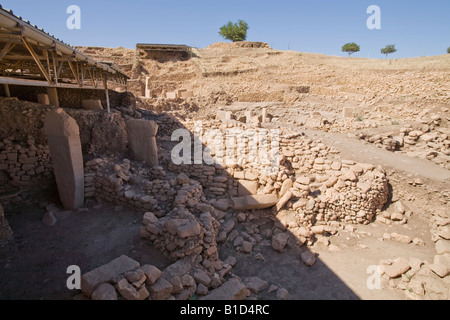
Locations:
55 69
105 84
53 96
147 90
7 92
36 59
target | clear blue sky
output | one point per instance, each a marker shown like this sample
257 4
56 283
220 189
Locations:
417 27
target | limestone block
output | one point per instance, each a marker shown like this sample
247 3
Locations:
247 188
67 158
171 95
141 136
233 289
91 280
255 202
187 94
91 104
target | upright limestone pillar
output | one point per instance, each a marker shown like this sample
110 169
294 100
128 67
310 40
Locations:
63 136
142 139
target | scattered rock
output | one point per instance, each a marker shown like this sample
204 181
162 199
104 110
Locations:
104 291
260 257
247 247
152 274
287 184
279 241
350 228
419 242
161 290
241 217
308 258
441 265
202 277
333 248
400 207
202 290
228 226
182 178
231 261
143 293
49 219
401 238
272 288
442 246
149 217
91 280
126 290
255 284
137 278
176 284
396 216
233 289
440 269
399 267
416 286
282 294
318 229
415 264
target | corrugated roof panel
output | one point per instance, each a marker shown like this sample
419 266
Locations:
4 11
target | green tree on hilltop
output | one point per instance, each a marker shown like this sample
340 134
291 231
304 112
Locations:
350 48
390 48
235 31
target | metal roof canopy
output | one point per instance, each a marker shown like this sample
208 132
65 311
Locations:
32 57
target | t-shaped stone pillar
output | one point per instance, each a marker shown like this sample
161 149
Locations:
142 139
67 158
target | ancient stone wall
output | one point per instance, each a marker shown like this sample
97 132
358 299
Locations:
23 165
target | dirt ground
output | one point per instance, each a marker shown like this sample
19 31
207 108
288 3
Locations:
35 267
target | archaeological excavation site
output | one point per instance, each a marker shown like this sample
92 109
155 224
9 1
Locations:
231 172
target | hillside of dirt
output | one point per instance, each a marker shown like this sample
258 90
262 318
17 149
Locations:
261 74
401 105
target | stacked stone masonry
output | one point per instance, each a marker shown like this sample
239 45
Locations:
21 163
182 206
125 279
